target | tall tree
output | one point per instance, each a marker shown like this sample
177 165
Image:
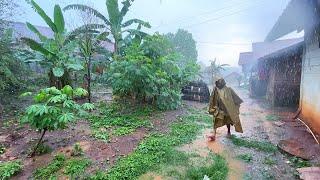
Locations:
184 43
57 52
114 22
215 69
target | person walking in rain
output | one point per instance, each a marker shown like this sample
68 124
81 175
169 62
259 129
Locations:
224 106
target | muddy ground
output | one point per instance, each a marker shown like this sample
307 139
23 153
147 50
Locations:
257 122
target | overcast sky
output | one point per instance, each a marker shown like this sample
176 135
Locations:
222 28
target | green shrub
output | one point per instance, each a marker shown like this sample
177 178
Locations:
50 171
8 169
76 167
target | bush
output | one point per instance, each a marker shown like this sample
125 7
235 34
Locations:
151 73
8 169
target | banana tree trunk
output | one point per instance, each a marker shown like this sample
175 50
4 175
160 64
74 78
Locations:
60 82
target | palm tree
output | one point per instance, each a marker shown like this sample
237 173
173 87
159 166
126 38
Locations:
114 22
215 69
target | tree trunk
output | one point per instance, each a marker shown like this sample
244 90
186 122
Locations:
59 82
39 142
89 79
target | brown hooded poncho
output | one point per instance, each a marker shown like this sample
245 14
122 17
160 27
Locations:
224 106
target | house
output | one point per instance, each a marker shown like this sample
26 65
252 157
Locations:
304 15
246 62
258 81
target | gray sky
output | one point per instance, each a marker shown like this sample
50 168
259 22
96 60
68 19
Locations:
222 28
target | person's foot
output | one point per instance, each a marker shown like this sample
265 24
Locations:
229 135
212 138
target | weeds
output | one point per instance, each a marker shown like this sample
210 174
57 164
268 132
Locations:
218 170
42 149
76 150
154 150
2 149
269 161
272 117
245 157
121 131
261 146
9 169
50 171
299 163
76 167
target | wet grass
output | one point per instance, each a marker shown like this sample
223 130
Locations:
158 150
258 145
272 117
269 161
73 168
245 157
217 170
299 163
9 169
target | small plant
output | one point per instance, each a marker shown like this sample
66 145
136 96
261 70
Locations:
49 171
102 135
77 150
246 157
123 131
43 149
269 161
261 146
76 167
54 109
272 117
8 169
299 163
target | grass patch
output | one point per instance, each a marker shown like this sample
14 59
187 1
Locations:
272 117
77 150
218 170
9 169
117 116
76 167
245 157
258 145
49 172
299 163
121 131
269 161
155 150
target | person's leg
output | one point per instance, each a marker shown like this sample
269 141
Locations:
229 130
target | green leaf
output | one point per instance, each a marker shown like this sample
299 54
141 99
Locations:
41 110
53 91
58 71
36 46
88 10
36 31
58 19
67 90
87 106
68 104
80 92
67 117
44 16
75 67
58 98
113 11
137 21
26 94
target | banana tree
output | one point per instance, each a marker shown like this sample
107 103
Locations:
89 44
115 23
57 53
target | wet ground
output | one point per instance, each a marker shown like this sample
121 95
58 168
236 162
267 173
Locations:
260 122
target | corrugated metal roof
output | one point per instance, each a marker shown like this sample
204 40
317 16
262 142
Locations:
293 18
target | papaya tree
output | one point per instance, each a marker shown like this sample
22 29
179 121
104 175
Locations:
53 109
115 23
57 52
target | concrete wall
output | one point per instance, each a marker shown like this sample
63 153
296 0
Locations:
310 85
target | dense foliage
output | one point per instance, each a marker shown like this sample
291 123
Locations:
10 168
57 52
11 67
150 72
